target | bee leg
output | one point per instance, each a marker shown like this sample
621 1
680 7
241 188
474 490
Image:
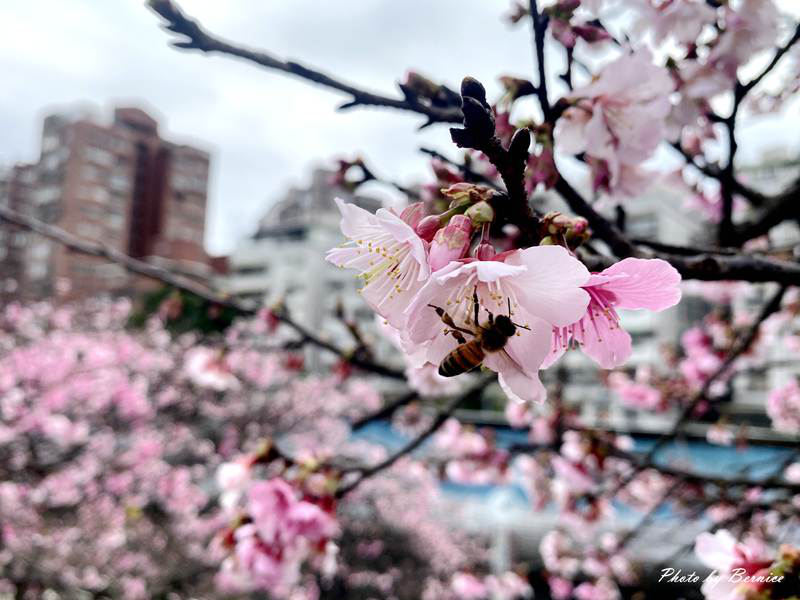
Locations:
476 305
459 338
448 320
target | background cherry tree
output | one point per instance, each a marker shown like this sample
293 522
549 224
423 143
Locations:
171 461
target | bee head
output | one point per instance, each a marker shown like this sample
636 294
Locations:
505 325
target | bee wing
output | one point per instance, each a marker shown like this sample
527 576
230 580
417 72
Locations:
517 384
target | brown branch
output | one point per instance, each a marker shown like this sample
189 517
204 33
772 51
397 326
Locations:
167 277
386 411
741 346
779 53
752 196
539 23
778 209
479 134
365 473
601 227
192 36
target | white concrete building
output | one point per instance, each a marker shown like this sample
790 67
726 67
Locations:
284 260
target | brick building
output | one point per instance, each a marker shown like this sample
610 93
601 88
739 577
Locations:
118 183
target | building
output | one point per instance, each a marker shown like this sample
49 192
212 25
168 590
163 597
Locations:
118 183
284 260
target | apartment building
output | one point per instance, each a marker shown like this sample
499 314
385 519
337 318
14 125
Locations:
118 183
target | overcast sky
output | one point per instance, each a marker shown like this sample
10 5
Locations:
265 130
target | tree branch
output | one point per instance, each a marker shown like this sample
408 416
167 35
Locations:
192 36
167 277
386 411
601 227
365 473
539 25
740 347
778 209
779 53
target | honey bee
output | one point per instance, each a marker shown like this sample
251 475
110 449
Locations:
492 337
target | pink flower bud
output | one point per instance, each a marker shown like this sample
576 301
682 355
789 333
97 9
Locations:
591 33
413 213
485 252
428 226
451 242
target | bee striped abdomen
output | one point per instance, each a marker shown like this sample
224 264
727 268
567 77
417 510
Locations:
464 358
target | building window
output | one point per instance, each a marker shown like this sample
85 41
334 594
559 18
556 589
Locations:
99 156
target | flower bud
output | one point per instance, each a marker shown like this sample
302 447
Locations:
485 251
450 243
479 213
458 191
428 226
591 33
579 225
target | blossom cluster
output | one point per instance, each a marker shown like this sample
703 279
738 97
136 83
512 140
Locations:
439 283
747 569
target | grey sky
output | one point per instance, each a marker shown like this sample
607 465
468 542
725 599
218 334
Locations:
264 129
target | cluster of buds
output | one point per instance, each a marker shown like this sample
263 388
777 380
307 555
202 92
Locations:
417 86
558 229
450 232
515 87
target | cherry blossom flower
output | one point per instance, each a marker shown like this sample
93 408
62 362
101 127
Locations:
632 283
468 587
389 255
283 532
635 393
541 285
722 552
719 434
681 20
508 586
208 368
619 118
792 473
750 26
783 407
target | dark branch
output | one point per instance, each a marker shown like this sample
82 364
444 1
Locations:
601 227
365 473
741 346
539 26
386 411
133 265
778 209
192 36
779 53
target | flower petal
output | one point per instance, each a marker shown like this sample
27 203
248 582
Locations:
551 287
653 284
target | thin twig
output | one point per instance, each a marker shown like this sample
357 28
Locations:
166 276
194 37
365 473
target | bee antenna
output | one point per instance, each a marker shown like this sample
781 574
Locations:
520 326
508 298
